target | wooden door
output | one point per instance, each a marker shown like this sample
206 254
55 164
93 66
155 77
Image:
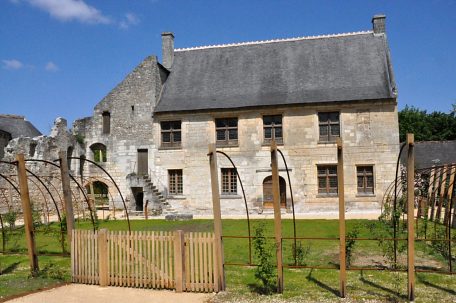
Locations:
268 197
143 162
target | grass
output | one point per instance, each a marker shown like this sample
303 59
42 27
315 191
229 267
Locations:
300 284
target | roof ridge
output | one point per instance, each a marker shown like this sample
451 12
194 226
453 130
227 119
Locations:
274 41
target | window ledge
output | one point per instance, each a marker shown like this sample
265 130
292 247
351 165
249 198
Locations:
230 196
365 195
170 148
327 196
327 142
176 197
269 143
226 145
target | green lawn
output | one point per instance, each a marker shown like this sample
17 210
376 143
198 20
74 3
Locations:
300 284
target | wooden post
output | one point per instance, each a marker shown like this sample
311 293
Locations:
103 257
277 216
220 273
341 194
449 196
65 175
435 191
179 264
442 193
410 215
27 210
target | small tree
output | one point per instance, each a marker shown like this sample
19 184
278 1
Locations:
265 272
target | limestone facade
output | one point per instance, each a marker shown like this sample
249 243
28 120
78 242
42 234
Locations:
369 131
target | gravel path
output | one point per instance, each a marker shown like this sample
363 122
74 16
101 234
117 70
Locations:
78 293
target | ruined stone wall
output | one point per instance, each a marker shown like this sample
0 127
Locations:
370 136
130 106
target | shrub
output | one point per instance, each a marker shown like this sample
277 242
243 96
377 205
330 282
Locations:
265 272
10 218
300 253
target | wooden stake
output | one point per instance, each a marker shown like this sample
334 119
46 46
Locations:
435 192
341 194
67 193
27 210
179 264
277 216
442 193
103 257
410 215
220 273
449 196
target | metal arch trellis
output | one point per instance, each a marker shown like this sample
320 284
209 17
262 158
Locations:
110 177
74 180
245 202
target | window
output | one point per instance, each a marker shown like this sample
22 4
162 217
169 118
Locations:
229 181
365 176
327 179
106 122
272 128
99 152
329 126
175 181
171 134
226 131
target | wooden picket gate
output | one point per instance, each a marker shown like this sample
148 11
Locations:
145 259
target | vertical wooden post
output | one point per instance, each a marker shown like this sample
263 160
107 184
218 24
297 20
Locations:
179 264
435 191
103 257
442 193
220 274
27 210
277 216
341 194
449 196
410 216
65 175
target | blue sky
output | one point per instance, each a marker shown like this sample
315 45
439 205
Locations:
61 57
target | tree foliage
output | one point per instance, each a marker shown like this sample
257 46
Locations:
435 126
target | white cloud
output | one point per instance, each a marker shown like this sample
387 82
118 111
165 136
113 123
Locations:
69 10
129 20
51 67
12 64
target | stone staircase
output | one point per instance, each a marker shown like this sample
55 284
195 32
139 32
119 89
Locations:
157 200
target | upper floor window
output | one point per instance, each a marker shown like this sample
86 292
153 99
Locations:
272 128
106 122
327 179
329 126
229 181
99 152
365 176
171 135
175 182
226 131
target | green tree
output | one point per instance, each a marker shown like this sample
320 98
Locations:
435 126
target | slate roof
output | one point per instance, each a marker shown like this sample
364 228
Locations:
17 126
343 67
428 153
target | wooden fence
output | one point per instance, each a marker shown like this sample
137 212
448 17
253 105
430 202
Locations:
145 259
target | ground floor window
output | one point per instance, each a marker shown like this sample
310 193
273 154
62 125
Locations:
327 179
365 175
229 181
175 181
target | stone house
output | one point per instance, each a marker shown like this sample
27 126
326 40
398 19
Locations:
152 131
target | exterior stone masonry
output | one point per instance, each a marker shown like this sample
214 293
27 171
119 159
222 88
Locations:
369 133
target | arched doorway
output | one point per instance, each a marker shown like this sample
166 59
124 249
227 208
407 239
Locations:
138 195
98 193
268 198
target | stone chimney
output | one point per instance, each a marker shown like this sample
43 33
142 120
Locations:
378 24
167 49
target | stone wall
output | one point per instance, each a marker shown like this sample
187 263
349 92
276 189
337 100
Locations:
370 136
130 106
